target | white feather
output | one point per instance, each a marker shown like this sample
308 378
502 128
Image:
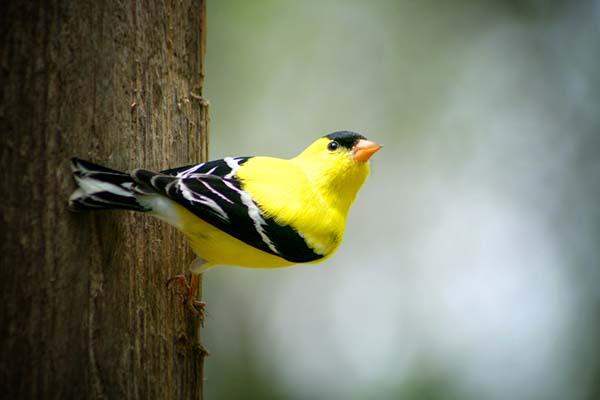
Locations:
90 185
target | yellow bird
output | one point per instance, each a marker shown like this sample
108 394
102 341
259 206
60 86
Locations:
257 212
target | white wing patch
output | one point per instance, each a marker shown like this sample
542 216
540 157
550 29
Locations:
198 198
255 215
233 164
221 195
187 172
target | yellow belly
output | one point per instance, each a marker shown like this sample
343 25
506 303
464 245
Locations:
218 248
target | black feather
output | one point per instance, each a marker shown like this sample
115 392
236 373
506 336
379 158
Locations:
346 139
114 188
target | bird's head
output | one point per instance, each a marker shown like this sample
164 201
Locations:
339 161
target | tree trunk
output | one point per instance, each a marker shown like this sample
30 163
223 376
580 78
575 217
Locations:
85 311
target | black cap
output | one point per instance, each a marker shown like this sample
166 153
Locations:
346 138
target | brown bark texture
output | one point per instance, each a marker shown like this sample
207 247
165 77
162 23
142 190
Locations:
85 312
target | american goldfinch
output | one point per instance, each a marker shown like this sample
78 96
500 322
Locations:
258 212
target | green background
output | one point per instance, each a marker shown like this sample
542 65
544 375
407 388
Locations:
470 267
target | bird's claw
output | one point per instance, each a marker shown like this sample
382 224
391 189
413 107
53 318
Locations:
187 292
182 286
196 307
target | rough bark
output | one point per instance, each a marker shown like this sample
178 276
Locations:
85 312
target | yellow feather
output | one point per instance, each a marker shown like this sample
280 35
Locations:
311 192
218 248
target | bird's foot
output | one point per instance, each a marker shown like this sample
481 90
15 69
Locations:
187 291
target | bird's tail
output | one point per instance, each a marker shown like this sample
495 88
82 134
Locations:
102 188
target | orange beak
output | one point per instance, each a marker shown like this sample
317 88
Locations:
364 149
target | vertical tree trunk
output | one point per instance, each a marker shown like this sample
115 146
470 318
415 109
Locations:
85 312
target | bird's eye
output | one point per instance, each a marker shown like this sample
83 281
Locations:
333 145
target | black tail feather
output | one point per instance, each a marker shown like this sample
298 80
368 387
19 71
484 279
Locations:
102 188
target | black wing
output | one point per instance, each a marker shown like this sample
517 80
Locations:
211 192
220 168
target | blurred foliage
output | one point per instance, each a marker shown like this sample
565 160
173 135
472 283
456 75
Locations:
426 383
469 269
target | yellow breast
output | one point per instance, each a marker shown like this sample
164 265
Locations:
285 193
